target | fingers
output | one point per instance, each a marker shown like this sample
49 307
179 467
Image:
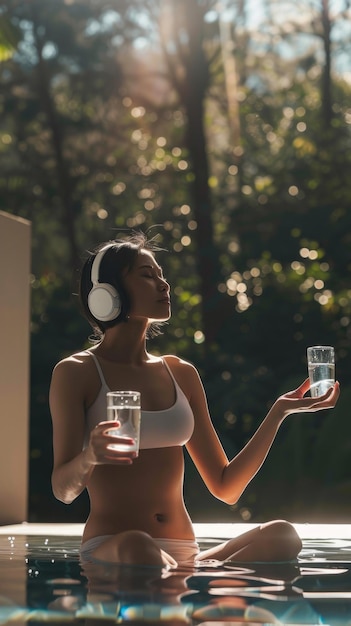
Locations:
329 398
111 460
109 454
114 449
110 448
300 391
296 402
105 427
326 401
116 457
304 387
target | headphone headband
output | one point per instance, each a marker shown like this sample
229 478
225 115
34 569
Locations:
96 264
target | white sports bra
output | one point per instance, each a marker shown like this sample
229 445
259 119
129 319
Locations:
158 429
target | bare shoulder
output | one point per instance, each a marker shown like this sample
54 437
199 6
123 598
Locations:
176 363
185 373
75 382
75 368
74 363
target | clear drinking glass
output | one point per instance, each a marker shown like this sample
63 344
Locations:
321 369
124 406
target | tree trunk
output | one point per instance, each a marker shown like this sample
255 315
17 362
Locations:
326 76
57 134
189 72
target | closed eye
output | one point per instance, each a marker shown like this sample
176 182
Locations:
155 276
151 272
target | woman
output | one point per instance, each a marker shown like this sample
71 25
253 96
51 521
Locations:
137 513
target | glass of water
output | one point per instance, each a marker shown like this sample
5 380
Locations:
124 407
321 369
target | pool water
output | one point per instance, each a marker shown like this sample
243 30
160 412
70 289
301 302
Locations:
42 580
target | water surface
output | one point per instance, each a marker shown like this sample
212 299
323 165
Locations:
42 580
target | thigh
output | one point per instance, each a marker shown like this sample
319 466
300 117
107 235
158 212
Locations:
226 549
274 541
131 548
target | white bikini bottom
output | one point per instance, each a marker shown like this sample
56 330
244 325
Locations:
184 551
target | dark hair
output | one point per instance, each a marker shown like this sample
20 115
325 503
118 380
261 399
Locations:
120 256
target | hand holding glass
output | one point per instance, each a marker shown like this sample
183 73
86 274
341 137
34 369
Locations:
124 407
321 369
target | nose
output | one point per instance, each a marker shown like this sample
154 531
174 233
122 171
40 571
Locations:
163 286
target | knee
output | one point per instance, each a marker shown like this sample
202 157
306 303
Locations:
135 546
283 541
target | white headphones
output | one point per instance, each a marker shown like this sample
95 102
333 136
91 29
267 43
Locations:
104 301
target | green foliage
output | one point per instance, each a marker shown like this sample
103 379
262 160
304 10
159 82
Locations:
10 36
97 137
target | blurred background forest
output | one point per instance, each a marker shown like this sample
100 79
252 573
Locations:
225 129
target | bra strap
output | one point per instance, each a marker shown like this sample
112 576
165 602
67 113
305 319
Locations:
98 367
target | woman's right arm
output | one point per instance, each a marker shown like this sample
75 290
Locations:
73 465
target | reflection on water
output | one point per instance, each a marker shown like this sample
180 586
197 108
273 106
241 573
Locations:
41 579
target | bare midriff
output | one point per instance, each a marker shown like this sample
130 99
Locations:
146 496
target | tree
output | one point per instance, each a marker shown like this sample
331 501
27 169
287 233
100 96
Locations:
142 134
306 25
183 44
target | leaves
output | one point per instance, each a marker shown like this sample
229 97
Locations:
10 36
107 127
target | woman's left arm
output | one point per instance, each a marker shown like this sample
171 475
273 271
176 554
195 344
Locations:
226 479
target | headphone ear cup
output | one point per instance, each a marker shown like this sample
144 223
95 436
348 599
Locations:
104 302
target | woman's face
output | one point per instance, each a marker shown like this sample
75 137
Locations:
147 289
